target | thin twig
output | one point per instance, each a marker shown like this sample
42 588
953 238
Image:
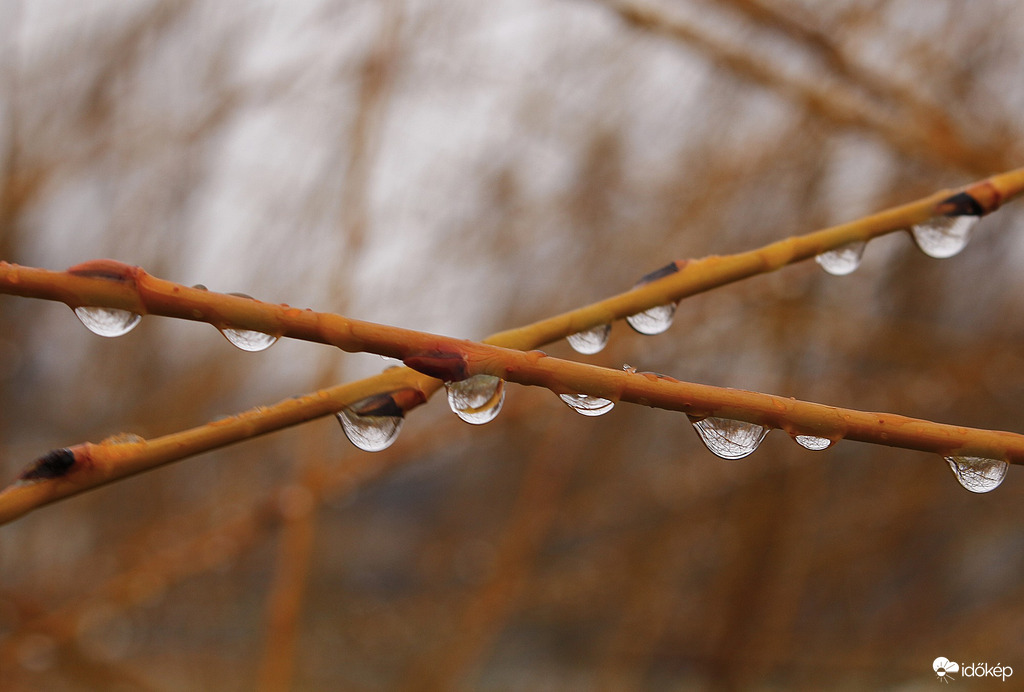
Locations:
114 285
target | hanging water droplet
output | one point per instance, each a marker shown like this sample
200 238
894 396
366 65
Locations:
653 321
657 319
249 340
587 405
812 442
478 399
590 341
108 321
944 236
372 424
727 438
843 260
977 474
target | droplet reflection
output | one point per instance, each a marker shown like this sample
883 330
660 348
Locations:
944 236
249 340
843 260
977 474
587 405
657 319
590 341
108 321
653 321
478 399
373 430
729 439
813 443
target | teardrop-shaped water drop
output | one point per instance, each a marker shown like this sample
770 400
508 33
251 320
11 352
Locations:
729 439
371 426
478 399
812 442
590 341
944 236
657 319
587 405
653 321
843 260
977 474
107 321
249 340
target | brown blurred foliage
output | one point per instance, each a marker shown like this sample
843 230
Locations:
464 167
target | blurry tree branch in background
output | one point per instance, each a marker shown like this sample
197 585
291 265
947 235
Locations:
908 124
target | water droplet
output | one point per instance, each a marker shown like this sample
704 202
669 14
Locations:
653 321
977 474
729 439
843 260
813 443
108 321
590 341
372 424
249 340
587 405
657 319
944 236
478 399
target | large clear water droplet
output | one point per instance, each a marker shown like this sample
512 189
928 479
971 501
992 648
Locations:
653 321
587 405
977 474
108 321
371 424
729 439
944 236
590 341
812 442
843 260
249 340
478 399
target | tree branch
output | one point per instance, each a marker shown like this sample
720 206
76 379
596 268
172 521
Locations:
114 285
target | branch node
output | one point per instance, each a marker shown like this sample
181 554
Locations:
447 366
53 464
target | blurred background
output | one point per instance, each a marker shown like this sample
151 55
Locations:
464 167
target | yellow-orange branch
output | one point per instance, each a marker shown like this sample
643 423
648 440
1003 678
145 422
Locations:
112 284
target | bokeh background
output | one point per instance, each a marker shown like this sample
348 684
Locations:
463 167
